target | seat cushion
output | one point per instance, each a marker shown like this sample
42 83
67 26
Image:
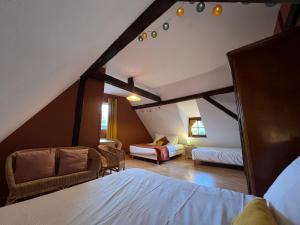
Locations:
72 161
32 165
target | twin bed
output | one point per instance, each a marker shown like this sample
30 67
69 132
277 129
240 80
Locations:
158 153
137 196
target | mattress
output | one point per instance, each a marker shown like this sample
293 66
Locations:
131 197
172 148
232 156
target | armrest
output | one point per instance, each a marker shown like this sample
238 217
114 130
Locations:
94 160
9 173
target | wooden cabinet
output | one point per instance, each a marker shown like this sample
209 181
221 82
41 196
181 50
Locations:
266 78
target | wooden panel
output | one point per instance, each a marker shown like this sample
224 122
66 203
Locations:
267 84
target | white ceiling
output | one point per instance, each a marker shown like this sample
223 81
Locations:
195 44
46 45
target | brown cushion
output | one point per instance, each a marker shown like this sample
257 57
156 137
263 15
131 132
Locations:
72 161
32 165
162 141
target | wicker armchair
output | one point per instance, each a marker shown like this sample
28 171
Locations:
112 159
44 185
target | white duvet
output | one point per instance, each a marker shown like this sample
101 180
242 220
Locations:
131 197
232 156
148 151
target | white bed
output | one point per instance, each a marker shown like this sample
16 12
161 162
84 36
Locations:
173 148
231 156
132 197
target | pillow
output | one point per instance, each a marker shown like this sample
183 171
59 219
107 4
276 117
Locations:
162 141
33 165
72 161
172 139
283 195
256 212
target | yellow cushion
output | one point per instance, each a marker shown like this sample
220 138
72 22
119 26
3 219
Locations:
256 212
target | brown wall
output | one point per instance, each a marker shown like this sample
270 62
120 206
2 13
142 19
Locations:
130 129
91 113
52 126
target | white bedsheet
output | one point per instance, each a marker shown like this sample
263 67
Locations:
132 197
148 151
232 156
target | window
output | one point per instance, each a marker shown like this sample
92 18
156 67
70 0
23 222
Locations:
196 127
104 116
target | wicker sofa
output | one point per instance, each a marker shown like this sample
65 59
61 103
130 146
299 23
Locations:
40 186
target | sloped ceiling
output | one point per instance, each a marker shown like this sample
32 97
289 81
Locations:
196 44
46 45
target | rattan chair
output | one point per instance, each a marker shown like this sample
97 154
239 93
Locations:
112 159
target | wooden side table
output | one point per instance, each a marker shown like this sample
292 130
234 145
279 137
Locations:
188 151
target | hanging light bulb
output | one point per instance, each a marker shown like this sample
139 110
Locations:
144 35
200 7
140 38
154 34
180 11
133 98
217 10
166 26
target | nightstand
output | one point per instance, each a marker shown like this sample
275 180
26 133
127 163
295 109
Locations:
188 151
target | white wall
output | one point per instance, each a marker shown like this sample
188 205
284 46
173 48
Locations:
45 46
221 129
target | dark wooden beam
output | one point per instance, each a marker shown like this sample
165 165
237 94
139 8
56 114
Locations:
123 85
154 11
78 111
131 82
292 17
186 98
245 1
221 107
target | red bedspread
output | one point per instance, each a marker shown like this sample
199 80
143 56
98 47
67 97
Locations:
161 151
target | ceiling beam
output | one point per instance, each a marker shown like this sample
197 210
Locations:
246 1
154 11
123 85
221 107
186 98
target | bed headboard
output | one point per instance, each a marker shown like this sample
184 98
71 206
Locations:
266 78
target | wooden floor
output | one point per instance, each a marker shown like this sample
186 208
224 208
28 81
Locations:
180 168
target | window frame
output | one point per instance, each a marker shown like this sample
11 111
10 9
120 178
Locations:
190 126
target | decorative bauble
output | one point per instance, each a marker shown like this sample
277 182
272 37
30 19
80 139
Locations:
166 26
154 34
144 35
200 7
140 38
217 10
180 11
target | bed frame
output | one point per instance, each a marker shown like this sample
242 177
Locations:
154 157
266 78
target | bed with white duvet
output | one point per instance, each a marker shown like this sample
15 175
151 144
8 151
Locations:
230 156
139 197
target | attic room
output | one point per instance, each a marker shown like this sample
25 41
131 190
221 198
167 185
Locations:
149 112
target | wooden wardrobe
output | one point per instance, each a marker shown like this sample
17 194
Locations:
266 78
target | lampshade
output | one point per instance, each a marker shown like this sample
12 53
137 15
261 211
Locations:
133 98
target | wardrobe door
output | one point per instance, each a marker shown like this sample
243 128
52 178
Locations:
266 78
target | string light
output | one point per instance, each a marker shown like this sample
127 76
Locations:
200 7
